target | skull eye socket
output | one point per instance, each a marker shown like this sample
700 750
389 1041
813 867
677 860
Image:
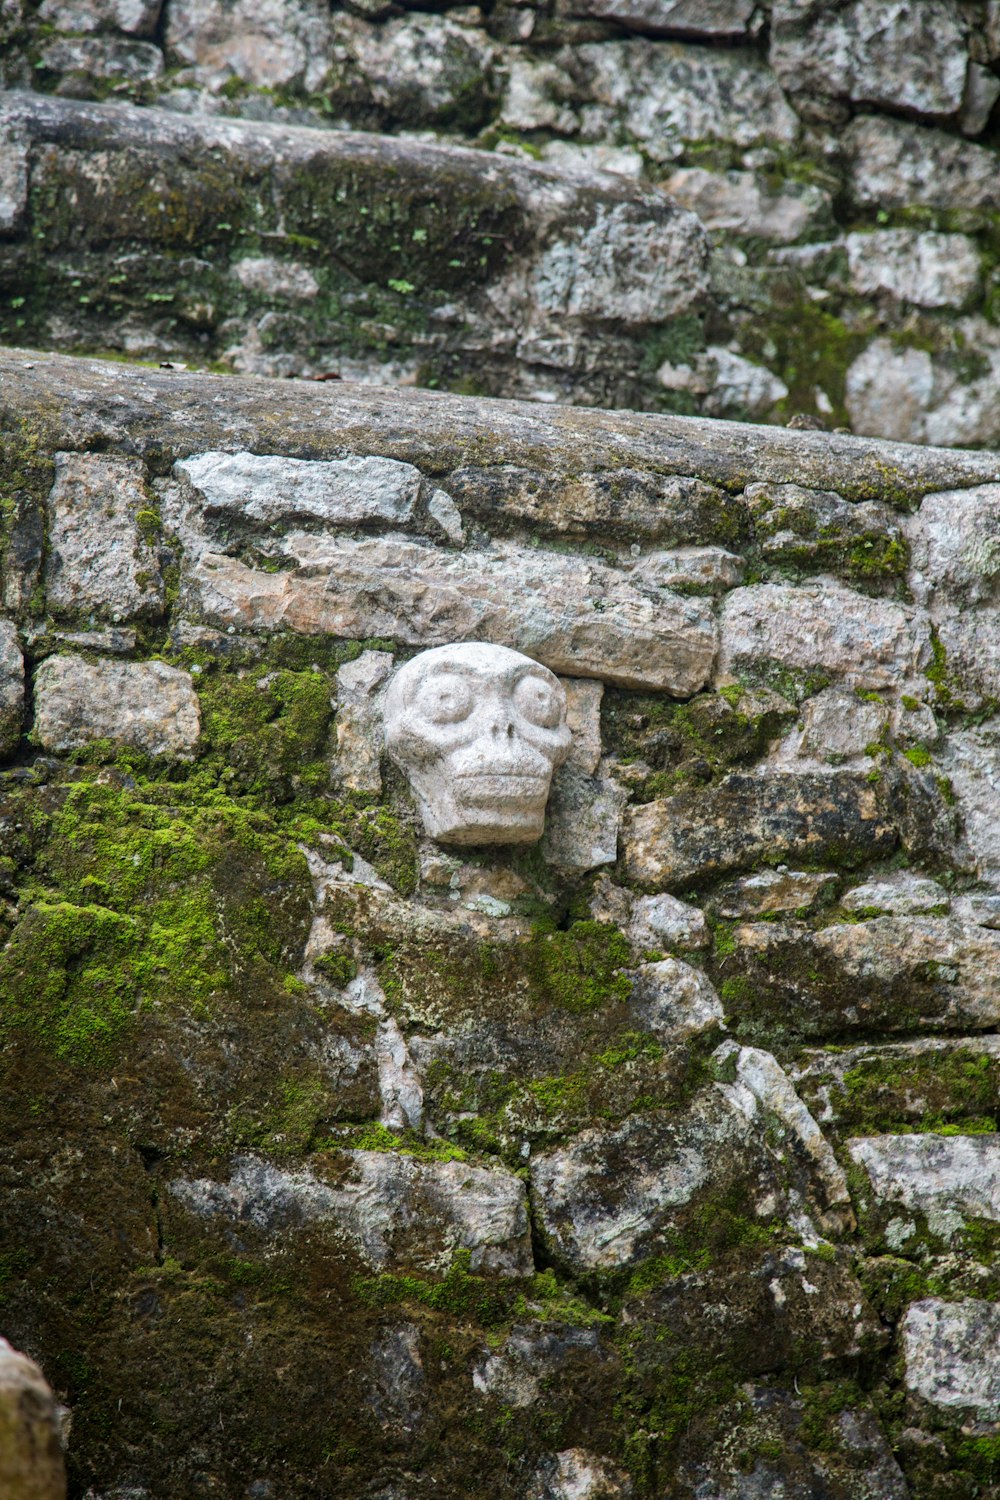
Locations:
446 700
538 702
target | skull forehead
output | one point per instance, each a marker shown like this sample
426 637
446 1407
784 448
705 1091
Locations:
493 663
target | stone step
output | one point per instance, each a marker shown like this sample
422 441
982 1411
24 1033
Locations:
289 251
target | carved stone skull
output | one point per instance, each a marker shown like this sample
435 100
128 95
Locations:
478 730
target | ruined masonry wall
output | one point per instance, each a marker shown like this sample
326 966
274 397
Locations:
660 1158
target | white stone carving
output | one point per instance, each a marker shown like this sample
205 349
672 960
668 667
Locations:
479 730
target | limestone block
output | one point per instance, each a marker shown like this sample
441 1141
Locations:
393 1209
736 201
714 20
99 558
955 545
816 527
885 52
664 922
574 615
360 686
576 1474
11 687
674 1001
13 184
895 164
940 1176
582 820
952 1354
478 730
970 759
901 894
31 1460
276 278
696 834
147 704
818 628
694 569
270 490
771 891
913 265
137 17
837 725
891 973
267 43
105 58
622 265
583 717
413 70
670 94
604 1200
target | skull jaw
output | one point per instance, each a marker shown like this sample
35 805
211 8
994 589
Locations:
486 809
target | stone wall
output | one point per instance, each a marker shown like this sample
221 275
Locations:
659 1158
840 157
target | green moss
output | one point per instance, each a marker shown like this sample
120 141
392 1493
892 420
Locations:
458 1292
581 968
918 755
271 728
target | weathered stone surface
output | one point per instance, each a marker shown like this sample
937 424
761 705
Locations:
664 922
99 559
674 1001
905 1082
955 545
696 835
605 1200
269 489
839 726
104 60
583 717
817 629
885 52
576 1474
739 202
895 164
931 270
716 20
31 1459
941 1176
901 894
781 890
669 94
276 278
137 17
540 603
952 1353
395 1210
270 44
892 973
413 70
726 383
360 685
11 687
582 820
809 528
971 761
148 705
174 414
528 1360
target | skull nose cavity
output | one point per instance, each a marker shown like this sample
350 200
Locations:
510 731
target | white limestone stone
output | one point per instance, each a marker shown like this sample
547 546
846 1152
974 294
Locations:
442 509
269 489
267 43
868 643
955 545
970 758
137 17
716 20
901 894
360 686
392 1208
933 1174
146 704
770 891
698 569
664 922
99 560
576 615
583 717
576 1474
736 201
838 726
479 730
13 184
276 278
11 687
952 1354
674 1001
582 821
931 270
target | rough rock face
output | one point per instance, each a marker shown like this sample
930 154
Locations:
656 1157
31 1459
842 159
